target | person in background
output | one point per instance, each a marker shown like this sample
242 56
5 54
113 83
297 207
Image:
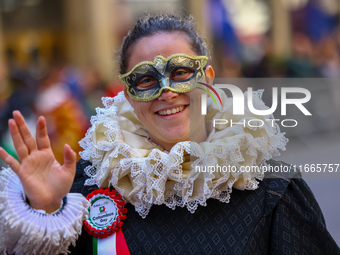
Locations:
65 117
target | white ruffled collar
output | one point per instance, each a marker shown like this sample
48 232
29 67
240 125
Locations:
145 174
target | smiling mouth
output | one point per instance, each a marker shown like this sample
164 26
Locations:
171 111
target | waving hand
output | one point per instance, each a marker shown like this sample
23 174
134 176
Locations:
44 180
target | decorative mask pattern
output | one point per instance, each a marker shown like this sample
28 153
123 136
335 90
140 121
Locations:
157 76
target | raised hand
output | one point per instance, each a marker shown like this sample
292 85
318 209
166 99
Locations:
44 180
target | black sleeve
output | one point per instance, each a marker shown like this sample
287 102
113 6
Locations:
84 244
298 225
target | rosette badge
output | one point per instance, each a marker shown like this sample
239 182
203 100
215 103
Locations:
106 213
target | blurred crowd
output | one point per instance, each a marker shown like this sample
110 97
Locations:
309 58
64 94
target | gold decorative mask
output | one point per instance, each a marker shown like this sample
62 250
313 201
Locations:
179 73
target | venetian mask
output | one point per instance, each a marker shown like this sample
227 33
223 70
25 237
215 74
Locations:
179 73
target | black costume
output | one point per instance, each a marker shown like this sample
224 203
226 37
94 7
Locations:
280 217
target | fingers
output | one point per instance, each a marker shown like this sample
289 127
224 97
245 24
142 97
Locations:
19 144
70 158
24 131
43 141
12 162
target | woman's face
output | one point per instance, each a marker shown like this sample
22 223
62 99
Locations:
167 118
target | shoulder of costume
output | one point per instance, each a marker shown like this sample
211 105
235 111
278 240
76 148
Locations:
290 184
277 183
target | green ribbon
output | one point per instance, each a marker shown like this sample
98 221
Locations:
95 245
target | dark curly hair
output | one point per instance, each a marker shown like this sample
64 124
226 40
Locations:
151 25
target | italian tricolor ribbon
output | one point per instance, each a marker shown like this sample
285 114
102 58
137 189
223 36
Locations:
111 245
106 216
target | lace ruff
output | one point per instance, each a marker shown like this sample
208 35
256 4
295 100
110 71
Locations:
145 174
28 231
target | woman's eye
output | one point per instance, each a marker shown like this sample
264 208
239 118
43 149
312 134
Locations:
146 82
181 74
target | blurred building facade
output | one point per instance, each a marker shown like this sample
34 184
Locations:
82 32
86 32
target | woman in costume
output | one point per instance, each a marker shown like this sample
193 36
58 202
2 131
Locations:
147 143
